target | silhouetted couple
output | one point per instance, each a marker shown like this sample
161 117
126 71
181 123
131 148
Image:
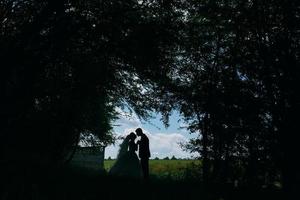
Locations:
128 163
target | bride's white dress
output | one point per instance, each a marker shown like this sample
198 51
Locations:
127 163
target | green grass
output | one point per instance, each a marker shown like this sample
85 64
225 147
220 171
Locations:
172 169
108 164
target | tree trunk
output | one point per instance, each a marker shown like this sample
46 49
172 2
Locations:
205 164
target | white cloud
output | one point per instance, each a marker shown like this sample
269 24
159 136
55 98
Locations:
163 145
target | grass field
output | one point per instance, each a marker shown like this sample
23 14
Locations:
169 180
174 169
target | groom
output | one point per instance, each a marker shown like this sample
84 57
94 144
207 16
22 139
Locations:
144 152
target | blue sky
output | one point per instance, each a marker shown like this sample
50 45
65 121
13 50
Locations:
163 141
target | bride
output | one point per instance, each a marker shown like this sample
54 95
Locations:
127 163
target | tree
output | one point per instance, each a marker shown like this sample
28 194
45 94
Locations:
237 85
68 65
231 69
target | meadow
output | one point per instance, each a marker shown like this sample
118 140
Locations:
168 169
169 179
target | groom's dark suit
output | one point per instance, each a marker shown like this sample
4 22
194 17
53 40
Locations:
144 154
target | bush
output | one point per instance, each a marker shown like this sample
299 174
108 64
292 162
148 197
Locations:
173 158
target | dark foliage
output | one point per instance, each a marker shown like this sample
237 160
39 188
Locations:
67 65
236 83
230 67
